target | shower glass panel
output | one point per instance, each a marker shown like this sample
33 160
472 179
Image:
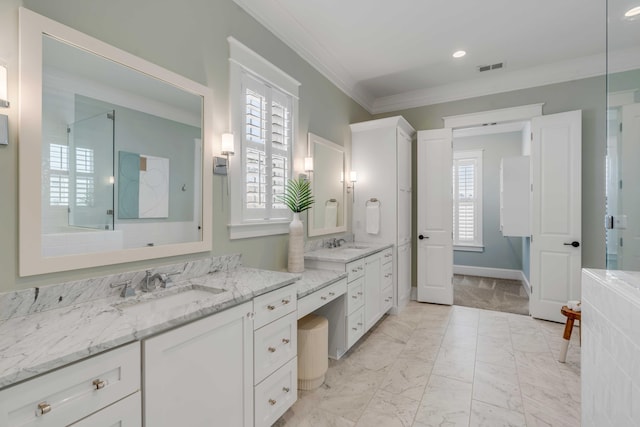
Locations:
91 172
622 221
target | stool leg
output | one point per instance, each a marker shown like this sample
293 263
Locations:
566 337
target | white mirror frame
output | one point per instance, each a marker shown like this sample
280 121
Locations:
31 262
311 230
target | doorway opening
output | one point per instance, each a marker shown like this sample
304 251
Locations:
491 211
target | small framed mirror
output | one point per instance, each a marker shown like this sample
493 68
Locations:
329 213
114 154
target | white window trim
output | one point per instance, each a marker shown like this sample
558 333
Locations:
242 59
477 245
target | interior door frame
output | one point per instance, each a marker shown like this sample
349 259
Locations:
523 113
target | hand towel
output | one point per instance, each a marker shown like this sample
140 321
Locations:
373 218
331 215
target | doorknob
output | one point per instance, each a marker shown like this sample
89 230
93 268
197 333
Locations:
574 244
422 237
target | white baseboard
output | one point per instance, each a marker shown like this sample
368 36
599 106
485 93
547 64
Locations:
497 273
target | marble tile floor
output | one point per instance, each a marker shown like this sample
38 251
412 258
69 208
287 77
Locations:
490 294
435 365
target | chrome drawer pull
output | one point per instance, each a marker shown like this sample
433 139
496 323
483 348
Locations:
272 349
354 296
359 293
43 408
359 324
360 268
354 270
285 389
285 340
285 301
272 402
331 294
355 329
323 298
99 384
271 307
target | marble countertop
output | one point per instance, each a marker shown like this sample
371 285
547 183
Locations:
347 253
39 342
313 280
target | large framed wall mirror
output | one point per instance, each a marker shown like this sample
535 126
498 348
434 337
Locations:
113 155
328 214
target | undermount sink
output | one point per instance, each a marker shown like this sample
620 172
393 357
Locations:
162 302
356 247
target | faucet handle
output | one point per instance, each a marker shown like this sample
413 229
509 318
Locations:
127 290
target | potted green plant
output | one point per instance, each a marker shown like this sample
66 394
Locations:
298 198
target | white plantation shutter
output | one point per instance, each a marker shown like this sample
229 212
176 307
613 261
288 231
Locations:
266 149
467 198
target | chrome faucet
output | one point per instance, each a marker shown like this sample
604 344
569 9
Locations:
149 281
339 242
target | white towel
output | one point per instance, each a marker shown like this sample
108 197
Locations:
373 218
331 215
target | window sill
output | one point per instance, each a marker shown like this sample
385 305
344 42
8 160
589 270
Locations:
258 229
468 248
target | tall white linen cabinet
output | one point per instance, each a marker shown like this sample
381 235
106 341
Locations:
381 156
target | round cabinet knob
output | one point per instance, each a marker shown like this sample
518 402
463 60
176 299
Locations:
285 340
332 294
271 307
323 298
272 402
98 384
286 301
285 389
271 349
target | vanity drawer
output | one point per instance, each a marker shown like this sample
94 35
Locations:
355 269
387 255
273 305
124 413
387 275
355 295
276 394
73 392
273 345
355 326
321 297
387 298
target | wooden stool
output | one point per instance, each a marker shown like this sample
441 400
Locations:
571 317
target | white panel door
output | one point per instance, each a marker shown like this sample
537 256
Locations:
435 216
629 252
556 255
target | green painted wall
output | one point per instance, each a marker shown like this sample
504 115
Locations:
190 40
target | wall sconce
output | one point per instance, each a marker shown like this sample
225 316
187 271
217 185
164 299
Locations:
353 178
221 164
3 87
308 164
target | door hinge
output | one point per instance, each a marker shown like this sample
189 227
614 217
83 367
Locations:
620 184
621 242
532 188
620 126
531 136
532 238
68 129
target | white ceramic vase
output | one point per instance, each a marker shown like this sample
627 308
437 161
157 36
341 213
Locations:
296 245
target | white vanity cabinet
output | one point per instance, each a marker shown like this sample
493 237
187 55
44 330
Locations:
275 374
369 295
70 394
201 374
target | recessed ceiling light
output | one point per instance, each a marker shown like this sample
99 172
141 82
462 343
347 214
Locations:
459 53
632 12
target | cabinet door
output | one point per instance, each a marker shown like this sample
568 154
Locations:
372 283
201 374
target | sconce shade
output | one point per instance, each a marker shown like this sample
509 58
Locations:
308 164
353 176
227 144
4 101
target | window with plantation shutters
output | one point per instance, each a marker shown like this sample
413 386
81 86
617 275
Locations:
264 108
266 149
467 198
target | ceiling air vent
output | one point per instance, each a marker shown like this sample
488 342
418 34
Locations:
496 66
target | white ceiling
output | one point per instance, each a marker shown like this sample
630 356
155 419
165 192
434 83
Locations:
389 55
